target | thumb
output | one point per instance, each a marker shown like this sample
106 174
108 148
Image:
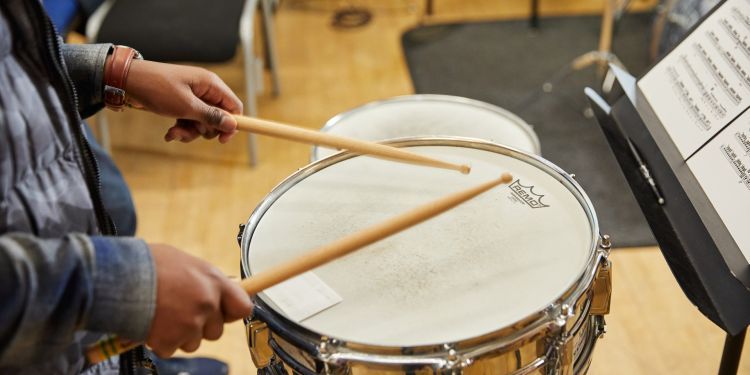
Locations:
213 116
235 303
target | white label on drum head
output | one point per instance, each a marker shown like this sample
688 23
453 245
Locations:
303 296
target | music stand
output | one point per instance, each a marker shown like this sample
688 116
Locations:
712 278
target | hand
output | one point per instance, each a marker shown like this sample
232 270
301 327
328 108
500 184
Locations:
193 301
199 100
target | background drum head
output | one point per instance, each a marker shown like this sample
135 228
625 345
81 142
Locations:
431 116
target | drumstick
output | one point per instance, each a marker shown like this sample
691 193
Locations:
324 254
298 134
358 240
294 133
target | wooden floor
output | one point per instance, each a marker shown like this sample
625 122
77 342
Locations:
194 196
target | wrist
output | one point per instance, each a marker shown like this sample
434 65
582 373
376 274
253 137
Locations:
116 71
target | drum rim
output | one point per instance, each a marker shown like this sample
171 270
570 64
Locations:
553 317
525 126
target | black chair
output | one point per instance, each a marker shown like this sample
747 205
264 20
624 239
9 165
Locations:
189 30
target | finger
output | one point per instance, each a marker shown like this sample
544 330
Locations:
213 116
192 344
162 348
214 327
216 92
235 303
225 137
181 132
229 100
206 131
204 128
211 134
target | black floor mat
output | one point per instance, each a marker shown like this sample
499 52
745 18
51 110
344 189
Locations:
506 63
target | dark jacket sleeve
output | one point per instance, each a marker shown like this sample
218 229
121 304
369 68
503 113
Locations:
52 288
85 63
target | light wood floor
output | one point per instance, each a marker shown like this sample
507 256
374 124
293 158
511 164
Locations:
194 196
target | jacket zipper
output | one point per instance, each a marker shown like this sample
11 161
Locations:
90 165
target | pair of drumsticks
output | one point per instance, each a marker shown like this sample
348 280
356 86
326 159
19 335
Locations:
345 245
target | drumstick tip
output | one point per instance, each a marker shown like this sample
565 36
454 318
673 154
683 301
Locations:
465 169
506 177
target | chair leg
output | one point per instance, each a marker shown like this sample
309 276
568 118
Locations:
534 16
103 126
268 34
251 105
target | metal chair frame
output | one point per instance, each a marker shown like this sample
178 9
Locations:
252 67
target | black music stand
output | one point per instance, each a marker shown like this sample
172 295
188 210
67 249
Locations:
695 259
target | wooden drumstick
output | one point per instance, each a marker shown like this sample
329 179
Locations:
298 134
355 241
294 133
308 261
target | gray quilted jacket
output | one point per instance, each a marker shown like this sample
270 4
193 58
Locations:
64 278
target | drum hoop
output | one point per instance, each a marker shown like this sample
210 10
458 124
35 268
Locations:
552 318
527 129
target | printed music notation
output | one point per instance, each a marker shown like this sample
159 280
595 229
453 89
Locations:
704 83
722 167
700 93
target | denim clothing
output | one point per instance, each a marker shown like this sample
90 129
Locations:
64 277
115 192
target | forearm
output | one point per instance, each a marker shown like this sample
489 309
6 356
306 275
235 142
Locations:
85 63
51 288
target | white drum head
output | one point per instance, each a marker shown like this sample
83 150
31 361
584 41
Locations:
431 116
480 267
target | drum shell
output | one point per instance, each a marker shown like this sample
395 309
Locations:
556 340
549 349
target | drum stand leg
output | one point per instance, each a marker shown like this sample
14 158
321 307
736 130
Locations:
730 358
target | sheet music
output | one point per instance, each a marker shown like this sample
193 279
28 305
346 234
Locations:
704 83
722 168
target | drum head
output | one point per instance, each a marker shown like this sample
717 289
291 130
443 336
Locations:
431 116
480 267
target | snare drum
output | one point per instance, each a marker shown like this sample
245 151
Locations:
431 116
514 281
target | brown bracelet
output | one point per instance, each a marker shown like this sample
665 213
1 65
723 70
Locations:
116 75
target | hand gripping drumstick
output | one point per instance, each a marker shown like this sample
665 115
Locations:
294 133
298 134
322 255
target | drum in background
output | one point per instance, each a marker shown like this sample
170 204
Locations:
514 281
431 116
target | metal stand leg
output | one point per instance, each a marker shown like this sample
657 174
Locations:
251 106
251 78
267 18
730 358
534 17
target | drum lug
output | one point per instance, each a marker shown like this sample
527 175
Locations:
605 243
326 348
455 363
239 235
602 289
257 339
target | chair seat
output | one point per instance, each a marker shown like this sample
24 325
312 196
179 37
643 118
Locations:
175 30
